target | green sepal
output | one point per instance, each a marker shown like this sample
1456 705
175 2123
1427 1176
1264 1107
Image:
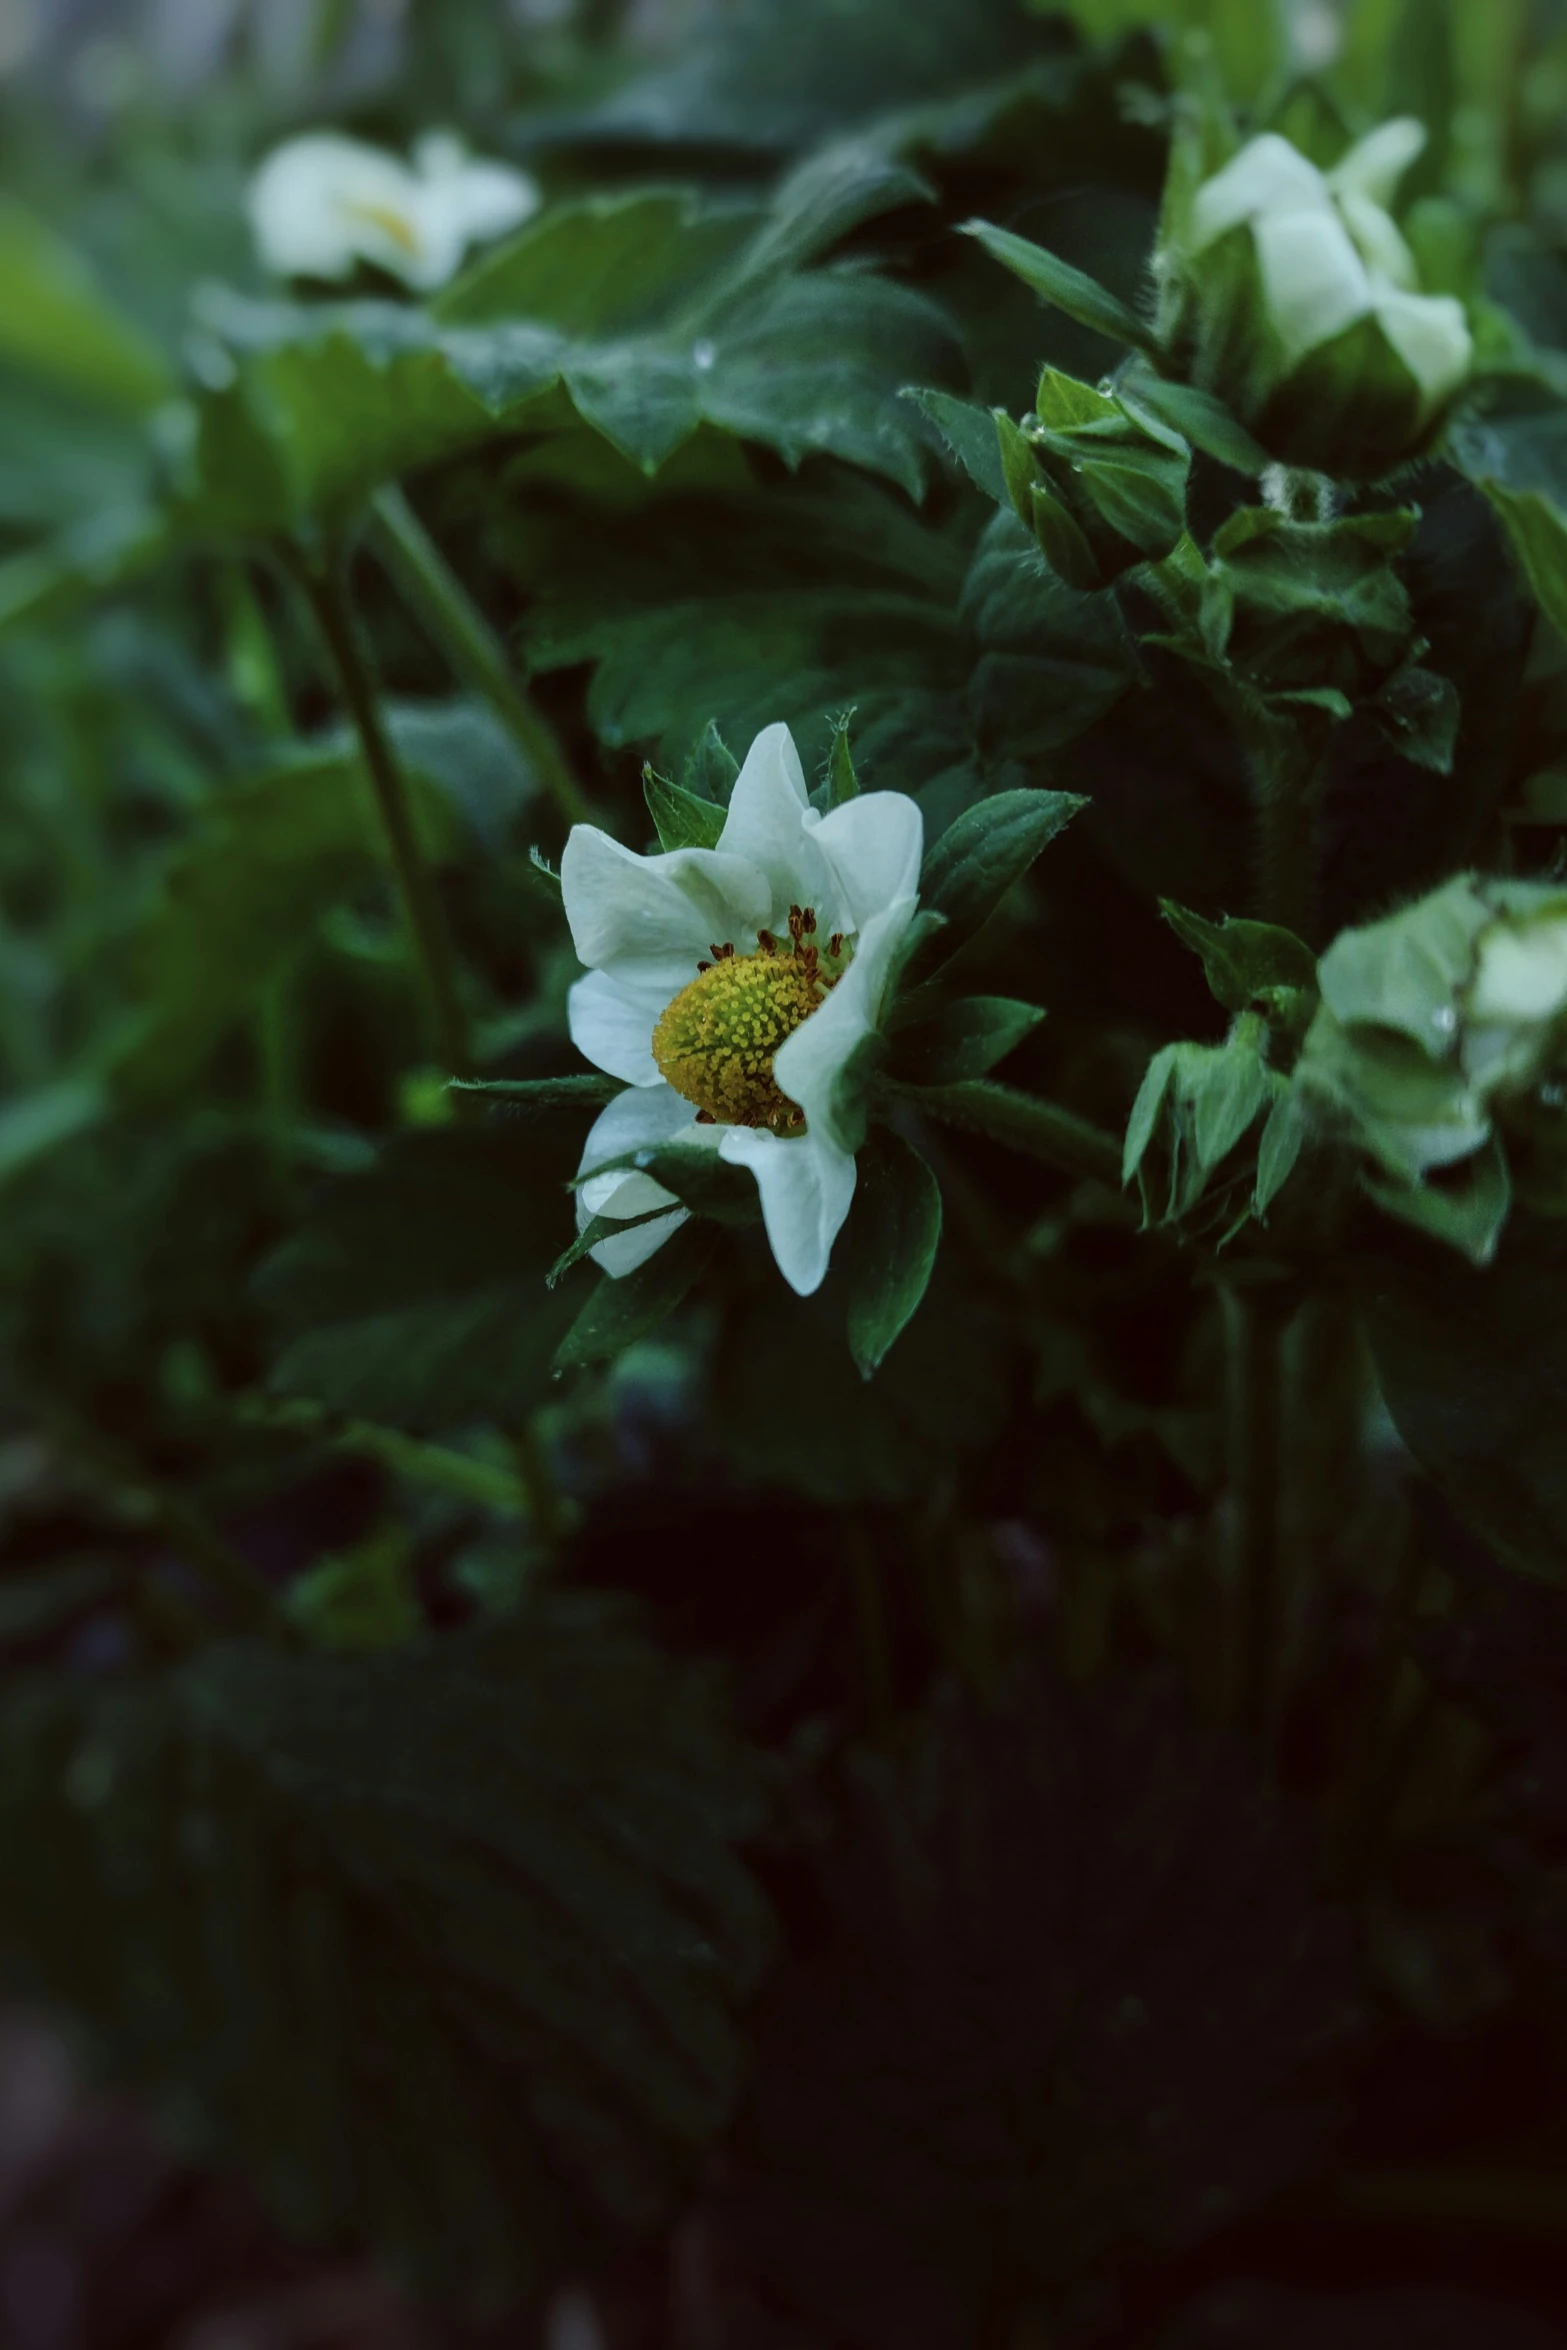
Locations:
1243 962
1069 289
693 1172
843 784
620 1312
1019 471
1062 541
712 769
894 1237
681 820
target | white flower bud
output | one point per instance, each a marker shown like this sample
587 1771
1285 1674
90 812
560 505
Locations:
1297 299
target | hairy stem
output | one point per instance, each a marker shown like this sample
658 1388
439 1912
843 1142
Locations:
415 882
476 654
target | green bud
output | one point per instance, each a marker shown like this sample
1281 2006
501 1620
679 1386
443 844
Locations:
1101 485
1292 294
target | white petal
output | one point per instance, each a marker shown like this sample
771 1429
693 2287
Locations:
1268 175
1431 335
808 1064
1375 164
1314 282
612 1016
482 199
807 1185
1521 972
622 907
873 846
1379 241
321 203
766 825
632 1121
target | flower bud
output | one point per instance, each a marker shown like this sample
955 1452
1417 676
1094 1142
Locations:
1102 487
1292 294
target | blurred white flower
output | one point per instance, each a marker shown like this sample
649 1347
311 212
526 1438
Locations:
322 204
729 987
1302 303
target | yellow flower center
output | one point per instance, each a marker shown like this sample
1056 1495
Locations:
717 1040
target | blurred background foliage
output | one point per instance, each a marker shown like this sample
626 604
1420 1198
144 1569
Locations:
699 1849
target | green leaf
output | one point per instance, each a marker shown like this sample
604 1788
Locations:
1143 1122
961 1041
681 820
441 1948
414 1294
894 1237
620 1312
1242 960
1473 1364
1420 713
42 1122
1196 415
978 859
364 1600
604 265
1056 281
269 856
1537 531
101 552
1232 1090
58 324
1278 1152
969 432
1022 1122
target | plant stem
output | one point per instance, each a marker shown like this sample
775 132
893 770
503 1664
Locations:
1258 1316
1039 1129
416 884
476 654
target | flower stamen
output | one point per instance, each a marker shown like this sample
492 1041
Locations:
716 1042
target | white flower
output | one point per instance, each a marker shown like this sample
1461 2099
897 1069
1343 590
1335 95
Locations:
322 204
1326 256
729 987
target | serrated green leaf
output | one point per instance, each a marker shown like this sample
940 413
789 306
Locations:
969 870
1143 1122
960 1041
603 265
681 820
1057 282
620 1312
1196 415
441 1948
1537 531
1242 960
894 1237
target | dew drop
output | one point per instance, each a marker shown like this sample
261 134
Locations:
702 356
1445 1019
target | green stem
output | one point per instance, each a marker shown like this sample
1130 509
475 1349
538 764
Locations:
415 882
1258 1317
1022 1122
476 654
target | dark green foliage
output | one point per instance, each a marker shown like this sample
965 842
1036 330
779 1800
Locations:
442 1947
897 1231
992 2076
415 1293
